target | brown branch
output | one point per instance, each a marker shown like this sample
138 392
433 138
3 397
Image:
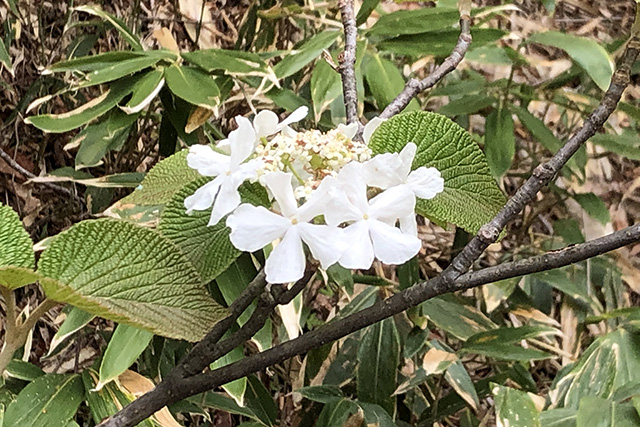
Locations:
444 283
347 60
415 86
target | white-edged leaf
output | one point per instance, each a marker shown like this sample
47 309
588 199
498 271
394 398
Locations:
298 58
193 85
514 408
117 23
129 274
325 87
76 319
144 91
5 59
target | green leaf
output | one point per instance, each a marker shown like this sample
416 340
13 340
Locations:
499 141
117 270
50 400
365 10
260 401
96 140
5 59
118 70
469 104
17 260
321 393
57 123
458 319
125 346
106 401
336 413
594 206
458 378
24 370
559 417
193 85
236 388
375 415
326 87
514 407
298 58
626 144
76 320
95 62
232 62
385 81
415 21
163 181
208 247
144 91
117 23
227 404
378 359
470 197
589 54
437 43
503 343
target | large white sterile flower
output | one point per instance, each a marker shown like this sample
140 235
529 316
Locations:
254 227
373 233
351 129
265 123
390 170
230 173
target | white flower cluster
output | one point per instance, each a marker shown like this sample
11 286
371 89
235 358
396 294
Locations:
329 210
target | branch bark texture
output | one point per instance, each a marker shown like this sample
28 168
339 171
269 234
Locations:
347 61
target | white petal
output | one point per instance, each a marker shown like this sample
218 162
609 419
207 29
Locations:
426 183
265 123
242 141
359 254
203 197
390 245
280 185
299 114
370 127
332 199
349 130
228 199
354 185
406 160
396 202
382 171
247 170
254 227
206 161
409 225
286 262
326 243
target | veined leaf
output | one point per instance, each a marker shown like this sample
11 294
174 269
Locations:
208 248
193 85
499 141
57 123
117 270
117 23
589 54
50 400
144 91
125 346
415 21
163 181
471 196
96 140
17 260
298 58
514 407
385 81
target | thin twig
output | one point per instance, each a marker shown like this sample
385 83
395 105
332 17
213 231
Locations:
347 60
415 86
16 166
